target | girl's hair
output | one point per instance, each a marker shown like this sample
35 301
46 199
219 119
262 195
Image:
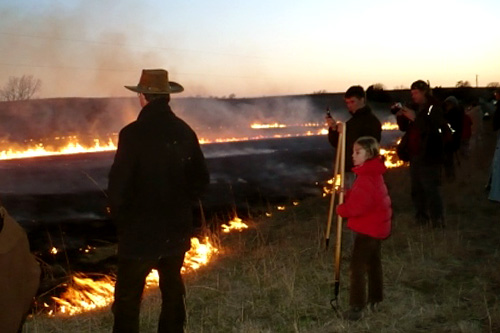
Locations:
370 145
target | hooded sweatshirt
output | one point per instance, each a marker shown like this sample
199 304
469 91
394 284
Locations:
368 206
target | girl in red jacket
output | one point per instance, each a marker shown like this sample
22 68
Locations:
368 211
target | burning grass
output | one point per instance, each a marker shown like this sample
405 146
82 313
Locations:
277 276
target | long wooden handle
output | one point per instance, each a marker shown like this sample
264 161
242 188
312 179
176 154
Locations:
334 192
338 243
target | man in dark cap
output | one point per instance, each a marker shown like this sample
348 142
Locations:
158 172
362 123
426 133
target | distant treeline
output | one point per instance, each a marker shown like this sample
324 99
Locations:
466 95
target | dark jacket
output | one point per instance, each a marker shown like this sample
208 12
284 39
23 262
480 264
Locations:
368 206
362 123
158 172
20 274
455 117
496 117
427 135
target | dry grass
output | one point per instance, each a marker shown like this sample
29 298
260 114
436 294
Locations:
277 276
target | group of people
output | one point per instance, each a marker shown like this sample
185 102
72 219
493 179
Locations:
159 171
432 135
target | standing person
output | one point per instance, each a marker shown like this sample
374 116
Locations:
426 133
454 114
494 194
362 123
158 171
368 211
19 277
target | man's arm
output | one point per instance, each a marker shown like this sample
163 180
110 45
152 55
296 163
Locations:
120 175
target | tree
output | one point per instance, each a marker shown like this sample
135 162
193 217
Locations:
463 84
493 85
376 93
20 88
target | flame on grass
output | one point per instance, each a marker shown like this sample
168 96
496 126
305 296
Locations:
391 161
389 126
265 126
87 294
235 224
67 145
72 147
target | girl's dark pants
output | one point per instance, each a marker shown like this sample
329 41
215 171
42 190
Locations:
129 287
365 261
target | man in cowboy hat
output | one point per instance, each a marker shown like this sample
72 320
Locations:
157 173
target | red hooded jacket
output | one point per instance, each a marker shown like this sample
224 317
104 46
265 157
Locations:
368 206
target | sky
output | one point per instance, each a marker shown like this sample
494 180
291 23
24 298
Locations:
92 48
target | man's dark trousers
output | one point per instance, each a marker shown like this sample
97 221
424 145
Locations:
129 287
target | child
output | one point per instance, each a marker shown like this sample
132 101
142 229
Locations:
368 211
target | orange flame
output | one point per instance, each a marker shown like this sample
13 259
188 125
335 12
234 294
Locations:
264 126
75 146
391 161
388 126
86 294
235 224
72 147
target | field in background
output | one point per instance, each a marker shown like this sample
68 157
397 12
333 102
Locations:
278 277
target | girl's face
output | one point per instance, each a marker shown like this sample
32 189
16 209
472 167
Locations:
359 155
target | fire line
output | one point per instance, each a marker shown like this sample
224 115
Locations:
86 294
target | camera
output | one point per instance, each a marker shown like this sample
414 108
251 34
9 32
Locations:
395 108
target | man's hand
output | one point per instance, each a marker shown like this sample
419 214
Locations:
408 113
332 123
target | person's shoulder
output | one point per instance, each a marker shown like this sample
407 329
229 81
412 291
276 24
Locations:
130 128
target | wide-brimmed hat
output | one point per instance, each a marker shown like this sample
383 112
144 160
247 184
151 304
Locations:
155 81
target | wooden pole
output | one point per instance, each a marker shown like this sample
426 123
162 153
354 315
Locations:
338 243
334 191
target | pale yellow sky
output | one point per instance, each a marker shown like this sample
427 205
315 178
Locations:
217 48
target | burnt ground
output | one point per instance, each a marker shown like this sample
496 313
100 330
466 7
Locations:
61 201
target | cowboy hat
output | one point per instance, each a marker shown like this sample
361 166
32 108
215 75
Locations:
155 81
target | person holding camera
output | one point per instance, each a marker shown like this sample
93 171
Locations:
362 123
427 132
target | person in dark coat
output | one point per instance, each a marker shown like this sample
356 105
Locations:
19 274
454 114
362 123
159 171
494 183
427 132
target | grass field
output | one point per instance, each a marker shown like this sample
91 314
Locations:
277 276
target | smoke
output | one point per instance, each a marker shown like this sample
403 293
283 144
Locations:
212 118
73 49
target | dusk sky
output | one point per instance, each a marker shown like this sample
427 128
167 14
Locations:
93 48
